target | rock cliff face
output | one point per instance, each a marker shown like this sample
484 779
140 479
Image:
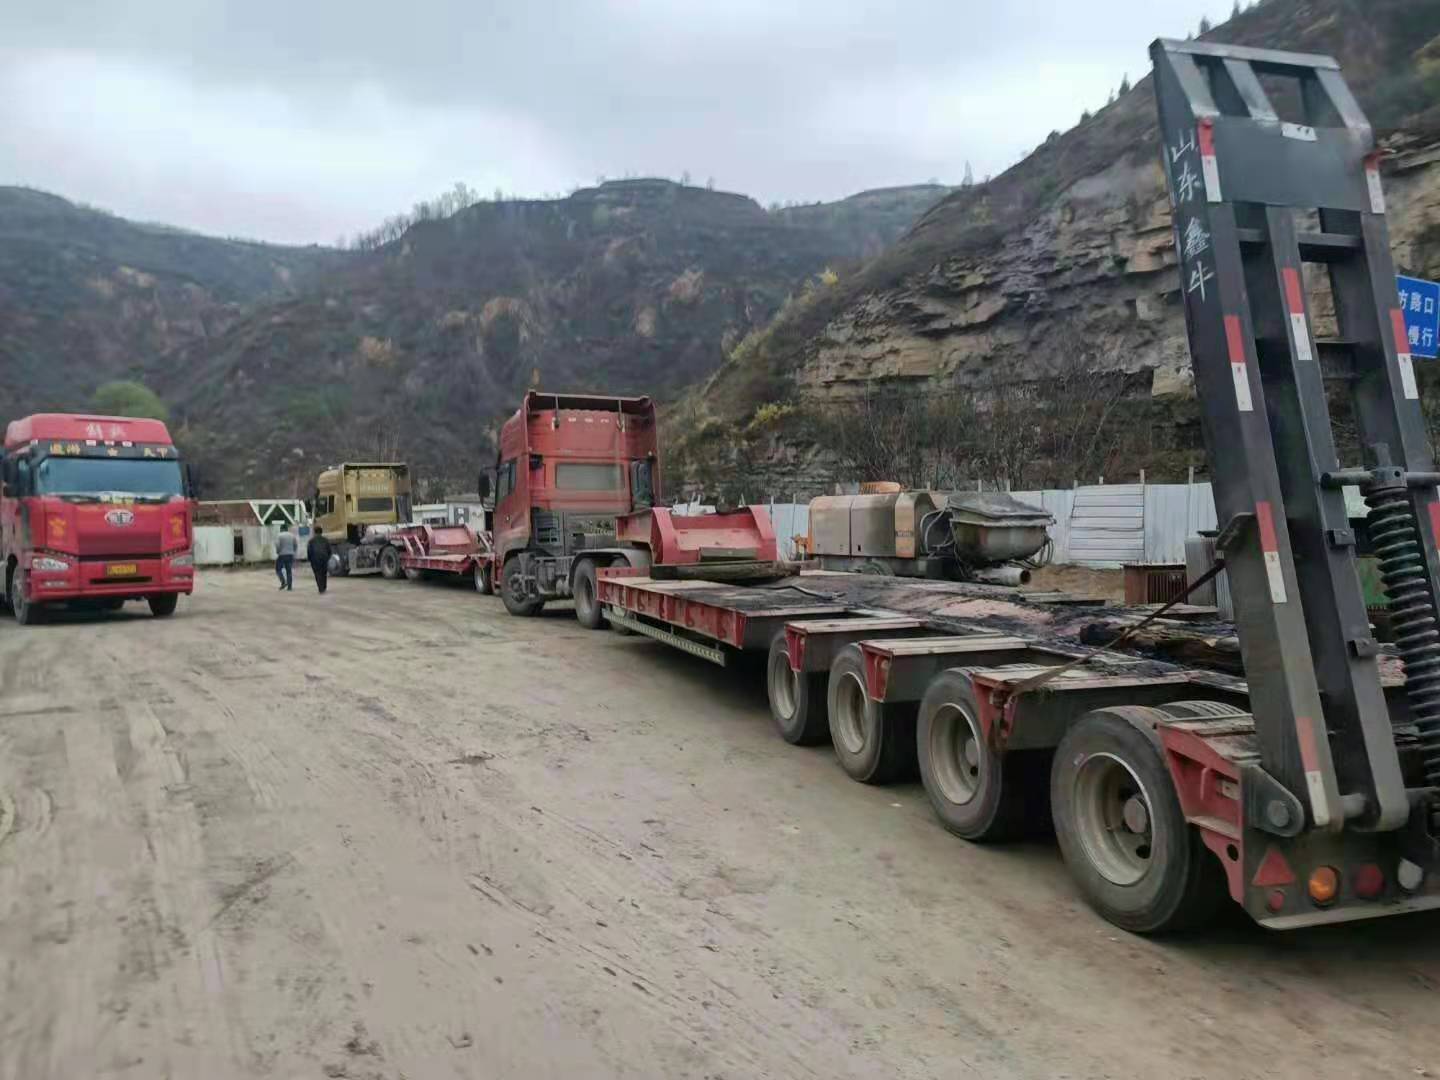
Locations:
1067 258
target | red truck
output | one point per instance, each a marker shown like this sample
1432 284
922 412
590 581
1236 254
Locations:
93 510
576 488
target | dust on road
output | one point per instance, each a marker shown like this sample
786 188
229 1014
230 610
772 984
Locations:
393 832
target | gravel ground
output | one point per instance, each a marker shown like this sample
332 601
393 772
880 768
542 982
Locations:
392 832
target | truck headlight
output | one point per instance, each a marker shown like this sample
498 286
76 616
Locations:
183 561
47 562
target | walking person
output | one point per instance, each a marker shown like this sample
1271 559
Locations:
318 551
285 545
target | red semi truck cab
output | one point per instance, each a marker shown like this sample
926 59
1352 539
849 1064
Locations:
577 491
569 466
93 509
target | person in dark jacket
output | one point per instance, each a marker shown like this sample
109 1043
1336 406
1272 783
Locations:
318 551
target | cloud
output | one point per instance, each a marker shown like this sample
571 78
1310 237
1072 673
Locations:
303 121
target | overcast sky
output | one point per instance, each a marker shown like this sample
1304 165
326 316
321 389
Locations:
304 120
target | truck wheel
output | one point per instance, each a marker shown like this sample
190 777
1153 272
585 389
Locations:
390 568
587 597
876 567
25 611
483 584
797 699
163 606
874 742
1127 844
976 793
516 595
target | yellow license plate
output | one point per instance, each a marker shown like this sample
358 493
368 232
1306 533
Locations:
122 569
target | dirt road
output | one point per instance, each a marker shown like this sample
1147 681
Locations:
392 832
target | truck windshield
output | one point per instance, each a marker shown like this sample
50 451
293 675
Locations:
91 476
588 476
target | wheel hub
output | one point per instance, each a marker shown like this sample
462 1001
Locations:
1113 818
956 751
852 715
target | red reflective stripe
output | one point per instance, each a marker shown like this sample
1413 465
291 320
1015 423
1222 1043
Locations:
1266 520
1435 522
1309 753
1293 294
1397 323
1235 339
1206 133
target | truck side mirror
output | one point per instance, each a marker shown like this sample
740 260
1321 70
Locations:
482 485
191 485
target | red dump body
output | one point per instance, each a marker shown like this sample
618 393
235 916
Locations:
94 507
676 540
443 549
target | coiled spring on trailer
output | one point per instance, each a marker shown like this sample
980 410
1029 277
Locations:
1395 538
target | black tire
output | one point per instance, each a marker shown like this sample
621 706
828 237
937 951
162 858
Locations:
587 597
390 565
877 568
514 593
484 585
163 606
26 611
797 701
1158 879
976 793
874 743
343 570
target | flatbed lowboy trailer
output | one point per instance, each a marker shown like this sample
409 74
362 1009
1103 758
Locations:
947 678
1310 789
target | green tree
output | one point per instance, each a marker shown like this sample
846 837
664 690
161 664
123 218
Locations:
126 397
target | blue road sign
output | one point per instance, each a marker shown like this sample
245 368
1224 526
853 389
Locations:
1420 304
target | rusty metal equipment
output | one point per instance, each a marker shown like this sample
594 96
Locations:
962 536
1155 583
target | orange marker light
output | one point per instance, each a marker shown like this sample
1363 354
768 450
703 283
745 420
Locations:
1324 885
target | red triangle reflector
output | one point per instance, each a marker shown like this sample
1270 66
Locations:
1273 870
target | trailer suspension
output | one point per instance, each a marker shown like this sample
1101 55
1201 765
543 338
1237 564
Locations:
1395 536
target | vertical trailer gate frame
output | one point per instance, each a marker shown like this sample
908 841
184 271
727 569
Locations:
1239 176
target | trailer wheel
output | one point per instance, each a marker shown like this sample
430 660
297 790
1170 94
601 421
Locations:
587 597
877 568
874 742
483 583
26 612
163 606
1127 844
514 593
976 792
797 699
390 568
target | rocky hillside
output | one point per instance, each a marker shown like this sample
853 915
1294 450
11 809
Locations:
1062 265
420 347
86 296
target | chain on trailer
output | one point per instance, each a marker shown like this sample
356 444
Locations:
1276 196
